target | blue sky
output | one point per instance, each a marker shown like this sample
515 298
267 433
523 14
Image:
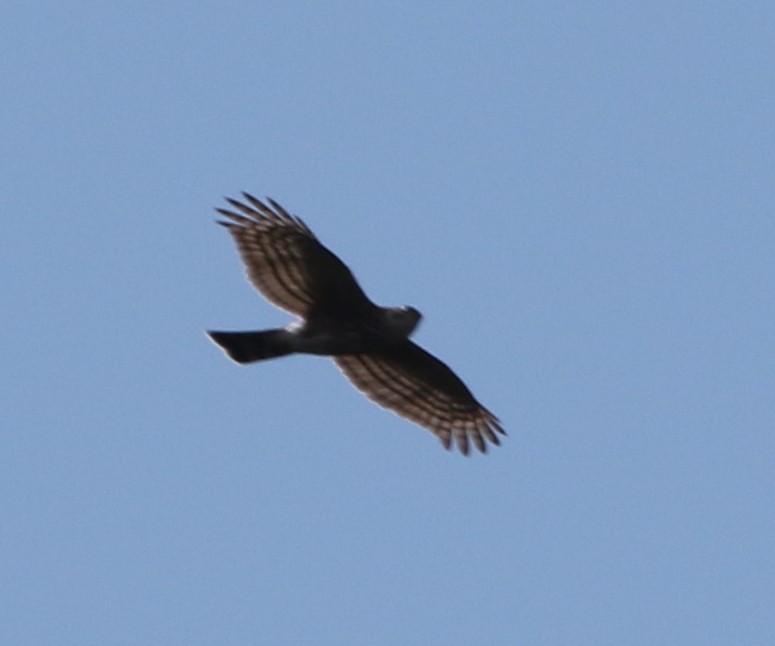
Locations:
579 198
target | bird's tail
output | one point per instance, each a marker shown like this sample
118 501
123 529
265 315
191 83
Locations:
246 347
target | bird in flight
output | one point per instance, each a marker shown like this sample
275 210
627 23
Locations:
370 344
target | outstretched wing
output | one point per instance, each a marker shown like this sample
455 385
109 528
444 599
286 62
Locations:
416 385
286 262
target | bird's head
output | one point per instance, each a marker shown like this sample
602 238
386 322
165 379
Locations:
403 320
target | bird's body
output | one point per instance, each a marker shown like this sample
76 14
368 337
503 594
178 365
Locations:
370 344
323 336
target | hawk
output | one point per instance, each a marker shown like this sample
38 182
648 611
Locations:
370 344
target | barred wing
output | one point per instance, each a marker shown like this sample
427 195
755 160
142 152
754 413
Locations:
286 262
416 385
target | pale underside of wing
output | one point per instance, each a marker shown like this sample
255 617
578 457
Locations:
287 264
416 385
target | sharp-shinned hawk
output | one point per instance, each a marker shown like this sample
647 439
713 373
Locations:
370 344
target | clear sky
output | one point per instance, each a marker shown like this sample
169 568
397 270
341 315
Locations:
578 197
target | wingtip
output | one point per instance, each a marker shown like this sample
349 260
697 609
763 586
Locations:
255 202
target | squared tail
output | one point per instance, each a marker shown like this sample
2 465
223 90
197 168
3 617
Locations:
246 347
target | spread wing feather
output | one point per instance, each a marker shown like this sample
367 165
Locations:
286 262
414 384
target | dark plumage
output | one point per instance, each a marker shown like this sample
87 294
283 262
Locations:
370 344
